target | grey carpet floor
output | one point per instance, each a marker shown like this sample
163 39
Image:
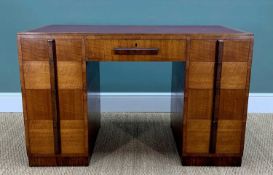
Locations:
137 143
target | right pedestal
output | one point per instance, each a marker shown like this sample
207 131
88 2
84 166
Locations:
210 129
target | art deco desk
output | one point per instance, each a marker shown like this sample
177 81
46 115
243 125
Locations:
59 68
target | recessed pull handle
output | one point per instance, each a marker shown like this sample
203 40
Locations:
136 51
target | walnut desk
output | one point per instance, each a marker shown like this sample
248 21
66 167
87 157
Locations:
59 67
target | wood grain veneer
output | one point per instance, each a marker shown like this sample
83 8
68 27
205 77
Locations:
34 49
69 49
41 136
234 75
36 75
60 80
201 75
206 46
70 75
39 104
104 50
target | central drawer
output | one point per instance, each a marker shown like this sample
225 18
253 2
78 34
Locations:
135 50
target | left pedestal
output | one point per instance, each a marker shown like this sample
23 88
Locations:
61 122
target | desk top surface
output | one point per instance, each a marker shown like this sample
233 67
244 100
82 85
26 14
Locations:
122 29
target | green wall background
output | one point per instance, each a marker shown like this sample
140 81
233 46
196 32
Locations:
250 15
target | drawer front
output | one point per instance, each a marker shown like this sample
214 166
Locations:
136 50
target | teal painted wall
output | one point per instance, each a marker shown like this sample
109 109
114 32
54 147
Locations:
251 15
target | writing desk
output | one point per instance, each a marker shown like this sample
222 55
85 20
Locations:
59 67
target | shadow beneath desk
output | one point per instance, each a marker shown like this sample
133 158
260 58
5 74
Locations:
136 134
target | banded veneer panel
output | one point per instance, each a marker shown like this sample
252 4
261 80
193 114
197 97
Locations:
69 49
234 75
196 124
197 136
201 75
34 49
41 137
36 74
70 75
236 51
232 104
229 136
202 50
199 104
73 137
71 104
38 104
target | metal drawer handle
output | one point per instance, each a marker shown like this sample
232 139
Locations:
136 51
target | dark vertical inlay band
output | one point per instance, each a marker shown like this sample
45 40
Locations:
216 94
54 96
